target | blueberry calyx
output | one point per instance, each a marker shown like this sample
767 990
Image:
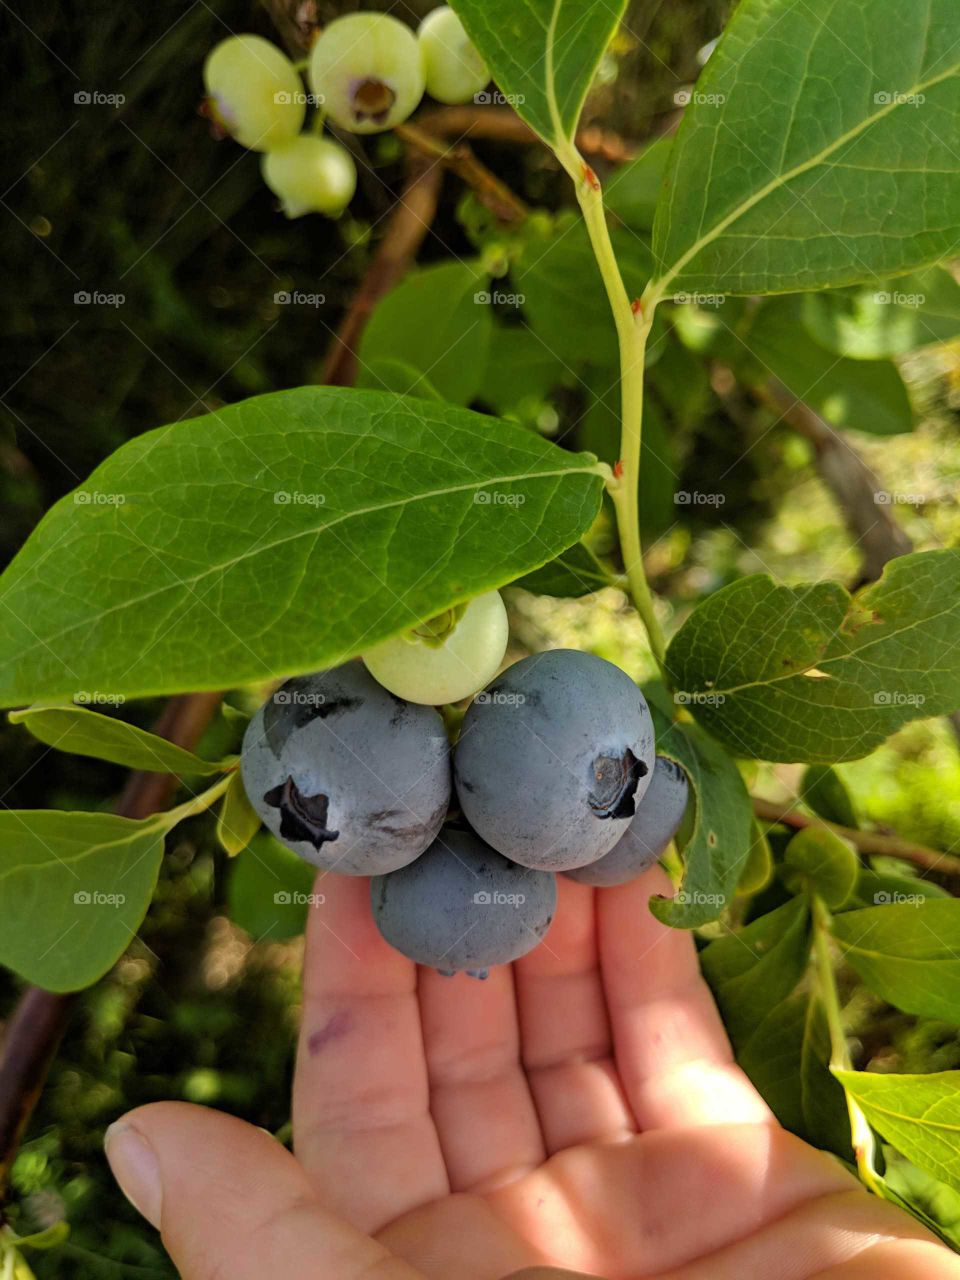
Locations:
617 778
301 817
372 100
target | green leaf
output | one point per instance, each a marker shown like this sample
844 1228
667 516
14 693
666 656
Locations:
807 673
752 970
825 792
874 888
49 1238
88 733
81 884
718 841
632 191
818 861
800 166
521 372
886 319
919 1115
269 891
787 1059
575 572
758 869
437 323
237 822
277 536
866 395
384 373
543 54
908 952
563 295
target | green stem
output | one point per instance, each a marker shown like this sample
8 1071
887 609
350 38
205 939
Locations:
196 804
861 1135
633 328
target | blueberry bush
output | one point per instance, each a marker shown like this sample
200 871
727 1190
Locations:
537 409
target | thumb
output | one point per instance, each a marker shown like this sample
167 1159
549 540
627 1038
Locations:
230 1200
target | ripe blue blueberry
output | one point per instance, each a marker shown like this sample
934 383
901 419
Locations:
552 758
346 775
651 829
463 907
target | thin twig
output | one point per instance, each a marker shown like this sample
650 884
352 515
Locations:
35 1027
866 842
487 187
854 485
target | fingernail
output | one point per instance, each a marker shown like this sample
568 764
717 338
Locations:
135 1168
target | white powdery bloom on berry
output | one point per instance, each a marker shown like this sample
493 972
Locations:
453 69
254 91
311 175
365 67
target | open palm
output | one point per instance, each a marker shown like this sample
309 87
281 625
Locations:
578 1110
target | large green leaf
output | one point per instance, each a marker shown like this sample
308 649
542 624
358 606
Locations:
717 843
820 149
88 733
632 191
826 793
886 319
521 373
867 395
75 887
543 53
787 1058
575 572
919 1115
908 952
277 536
754 969
807 673
437 323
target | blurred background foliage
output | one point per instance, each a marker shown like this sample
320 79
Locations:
138 200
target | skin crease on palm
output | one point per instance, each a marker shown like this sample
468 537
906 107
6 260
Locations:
576 1114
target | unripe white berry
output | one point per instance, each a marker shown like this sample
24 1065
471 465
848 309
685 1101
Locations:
255 92
311 175
452 66
446 659
366 69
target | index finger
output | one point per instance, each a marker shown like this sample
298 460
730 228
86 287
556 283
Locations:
361 1117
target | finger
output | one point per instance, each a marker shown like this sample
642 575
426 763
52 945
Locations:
361 1118
567 1045
230 1201
831 1236
672 1051
479 1097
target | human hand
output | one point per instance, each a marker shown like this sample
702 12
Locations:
580 1109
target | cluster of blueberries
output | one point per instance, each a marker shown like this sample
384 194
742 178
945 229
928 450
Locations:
367 73
554 771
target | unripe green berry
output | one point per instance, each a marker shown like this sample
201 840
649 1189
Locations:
311 175
446 659
255 92
366 69
452 66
